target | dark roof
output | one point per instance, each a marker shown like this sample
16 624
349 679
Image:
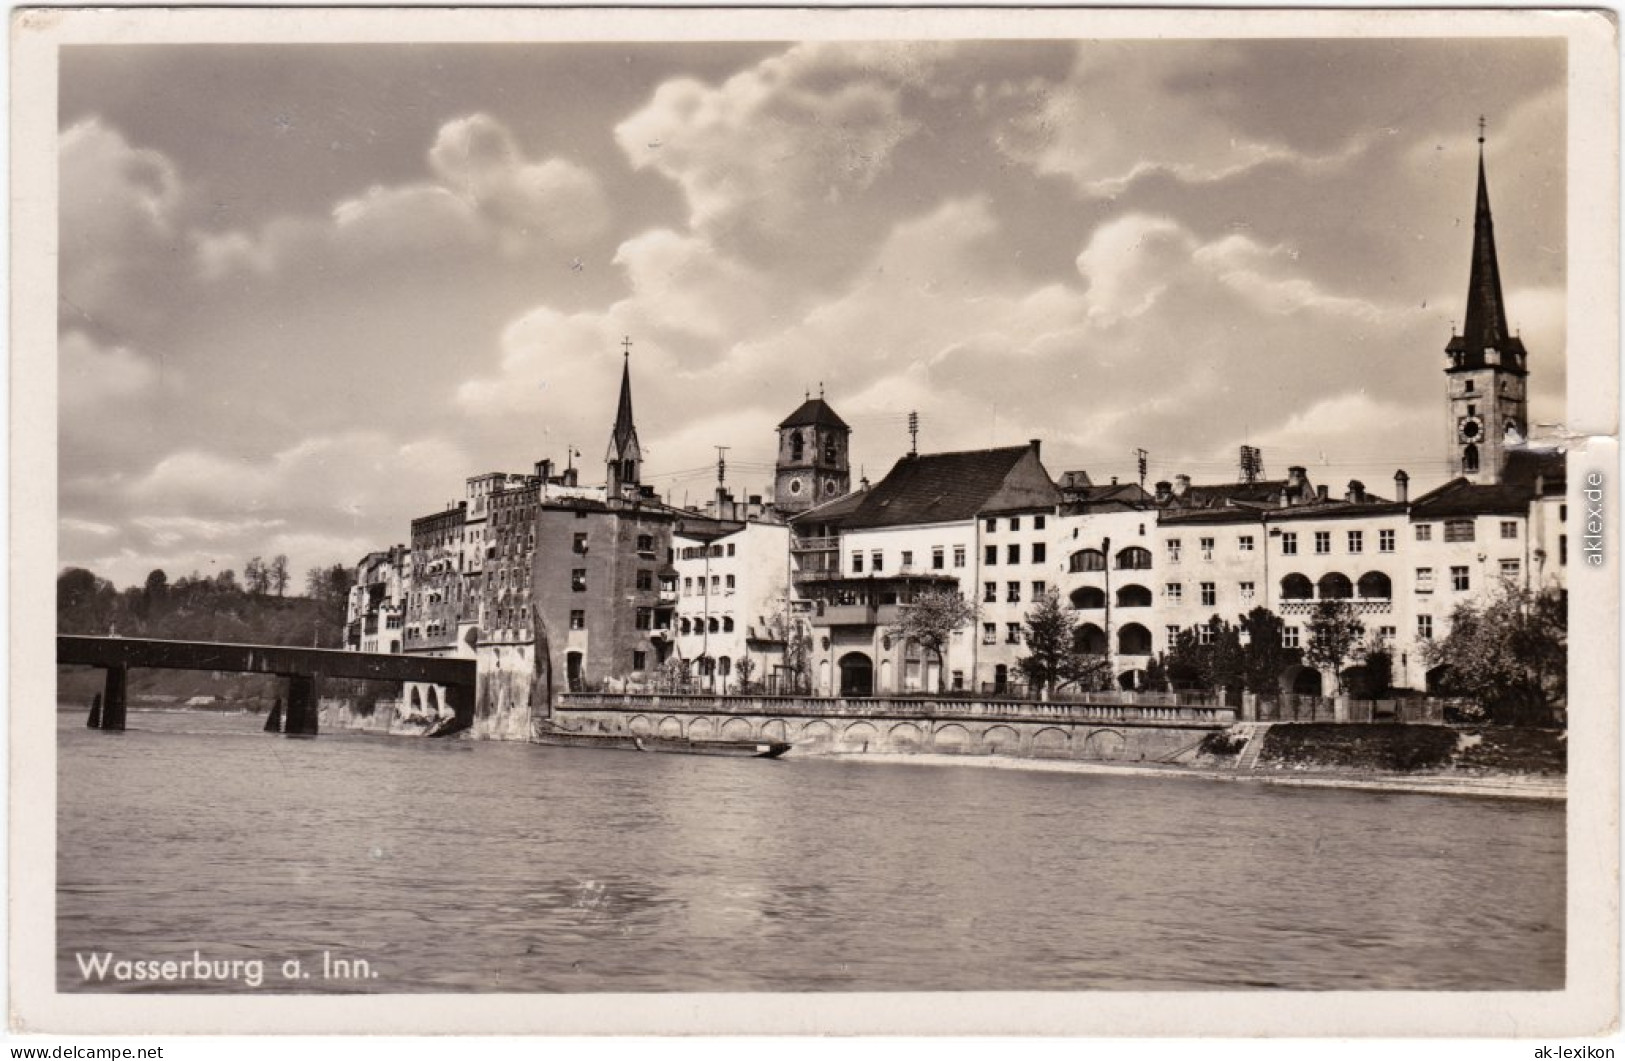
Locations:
1113 497
942 487
814 411
1459 497
832 511
1485 326
1524 466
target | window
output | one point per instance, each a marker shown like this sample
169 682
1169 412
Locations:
990 634
581 513
1562 513
727 624
1012 554
1012 633
1458 530
1459 579
1204 634
1245 543
908 559
1210 595
959 681
1246 591
1386 634
578 579
1174 591
1563 550
876 560
1040 552
1509 528
1424 627
728 583
730 548
1206 545
1467 386
1509 569
1087 560
1015 522
646 579
1038 590
1173 550
646 543
1424 580
1289 637
990 591
579 545
1323 542
1289 544
1424 532
990 525
716 583
688 587
1173 636
1012 592
1356 541
640 659
936 558
645 619
959 556
1385 541
1038 523
991 555
857 563
578 619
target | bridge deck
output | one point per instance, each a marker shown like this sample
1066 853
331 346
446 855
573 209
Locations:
262 659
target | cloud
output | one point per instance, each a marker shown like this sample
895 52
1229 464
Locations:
92 377
479 159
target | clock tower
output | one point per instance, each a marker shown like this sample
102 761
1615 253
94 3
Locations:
813 450
1486 367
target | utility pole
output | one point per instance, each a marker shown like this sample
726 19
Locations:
1142 456
913 433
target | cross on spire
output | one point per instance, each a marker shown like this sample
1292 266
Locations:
1481 130
626 346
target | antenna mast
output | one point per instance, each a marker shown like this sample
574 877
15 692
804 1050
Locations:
1142 457
913 433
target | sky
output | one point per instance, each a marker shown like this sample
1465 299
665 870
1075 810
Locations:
306 290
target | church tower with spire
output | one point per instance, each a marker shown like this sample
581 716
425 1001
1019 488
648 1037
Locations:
1486 368
624 459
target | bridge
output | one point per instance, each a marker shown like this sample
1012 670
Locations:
303 667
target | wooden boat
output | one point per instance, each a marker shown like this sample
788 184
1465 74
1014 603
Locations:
565 738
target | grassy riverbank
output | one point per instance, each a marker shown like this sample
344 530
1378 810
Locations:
1391 748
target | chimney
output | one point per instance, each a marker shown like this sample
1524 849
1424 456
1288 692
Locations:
1322 492
544 470
1295 477
1182 485
1164 492
1035 444
1356 492
1114 480
569 477
1402 487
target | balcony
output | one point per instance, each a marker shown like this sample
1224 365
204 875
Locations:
846 614
814 545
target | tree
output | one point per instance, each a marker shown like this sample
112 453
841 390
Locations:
1334 634
1264 655
255 578
85 604
1509 653
1053 660
744 669
1376 659
278 574
931 619
1209 656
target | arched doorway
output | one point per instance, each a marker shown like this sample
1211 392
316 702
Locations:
1300 680
1131 680
1090 639
1134 640
572 671
1001 678
857 675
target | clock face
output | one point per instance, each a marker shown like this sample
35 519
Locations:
1470 428
796 485
829 487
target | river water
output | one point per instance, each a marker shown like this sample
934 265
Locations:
474 866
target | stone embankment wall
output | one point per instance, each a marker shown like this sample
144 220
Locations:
832 726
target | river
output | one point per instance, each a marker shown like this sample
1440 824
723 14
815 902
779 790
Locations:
477 866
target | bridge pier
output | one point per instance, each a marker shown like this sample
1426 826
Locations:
273 723
460 698
301 717
113 699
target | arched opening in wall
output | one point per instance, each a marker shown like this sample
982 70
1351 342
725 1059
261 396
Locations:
1089 639
1087 560
724 668
1085 597
797 446
857 675
1469 459
572 671
885 685
1297 587
416 701
1335 585
1134 597
1374 585
1131 680
1001 678
1134 558
1300 680
1134 640
434 701
824 688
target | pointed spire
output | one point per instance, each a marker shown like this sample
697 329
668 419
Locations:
624 428
1486 323
624 457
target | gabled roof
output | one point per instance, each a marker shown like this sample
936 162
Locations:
1113 497
1524 466
814 412
831 511
1459 497
944 487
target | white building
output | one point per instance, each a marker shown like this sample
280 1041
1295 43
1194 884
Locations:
732 596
